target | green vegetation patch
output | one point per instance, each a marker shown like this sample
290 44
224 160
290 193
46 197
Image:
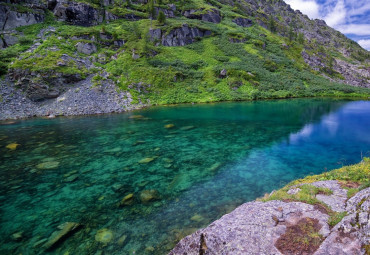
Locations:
357 175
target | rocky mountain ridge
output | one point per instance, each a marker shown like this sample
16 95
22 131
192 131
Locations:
234 50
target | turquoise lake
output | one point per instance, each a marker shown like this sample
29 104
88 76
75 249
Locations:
200 161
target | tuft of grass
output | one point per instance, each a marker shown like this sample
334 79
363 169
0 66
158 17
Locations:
335 218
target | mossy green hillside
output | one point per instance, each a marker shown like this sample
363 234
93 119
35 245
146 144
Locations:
265 64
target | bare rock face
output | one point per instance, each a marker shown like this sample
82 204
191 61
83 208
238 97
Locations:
86 48
243 22
252 228
10 19
179 36
353 74
209 16
169 13
77 13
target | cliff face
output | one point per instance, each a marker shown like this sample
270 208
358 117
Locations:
203 51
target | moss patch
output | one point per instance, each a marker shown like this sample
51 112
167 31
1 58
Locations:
301 238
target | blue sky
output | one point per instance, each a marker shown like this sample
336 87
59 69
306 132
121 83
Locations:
351 17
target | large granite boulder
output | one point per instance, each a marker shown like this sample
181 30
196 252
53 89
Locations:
179 36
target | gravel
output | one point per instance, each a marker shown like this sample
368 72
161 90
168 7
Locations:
80 99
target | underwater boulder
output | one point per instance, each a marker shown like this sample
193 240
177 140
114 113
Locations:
104 235
127 200
149 195
65 229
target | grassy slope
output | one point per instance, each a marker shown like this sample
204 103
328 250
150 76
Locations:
189 73
353 178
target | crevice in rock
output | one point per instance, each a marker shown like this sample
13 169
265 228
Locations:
203 246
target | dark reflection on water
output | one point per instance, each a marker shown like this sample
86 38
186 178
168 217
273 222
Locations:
214 158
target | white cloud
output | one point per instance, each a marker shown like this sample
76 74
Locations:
309 7
359 10
365 43
337 15
355 29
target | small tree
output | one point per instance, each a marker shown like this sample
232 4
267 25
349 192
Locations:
161 18
291 34
300 38
272 25
151 9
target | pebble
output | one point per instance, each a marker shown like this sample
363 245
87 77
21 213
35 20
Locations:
168 126
146 160
122 240
71 178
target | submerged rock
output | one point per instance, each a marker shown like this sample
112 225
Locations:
104 236
197 218
168 126
58 235
48 165
127 200
12 146
149 195
136 117
121 240
146 160
71 178
185 128
17 236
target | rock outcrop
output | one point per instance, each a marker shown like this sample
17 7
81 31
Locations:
169 13
352 73
209 16
86 48
243 22
75 13
11 18
179 36
263 227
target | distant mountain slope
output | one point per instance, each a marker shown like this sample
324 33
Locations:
178 51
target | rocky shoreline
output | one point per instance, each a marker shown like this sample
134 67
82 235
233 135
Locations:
82 98
284 227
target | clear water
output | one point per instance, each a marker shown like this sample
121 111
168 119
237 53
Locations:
233 153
